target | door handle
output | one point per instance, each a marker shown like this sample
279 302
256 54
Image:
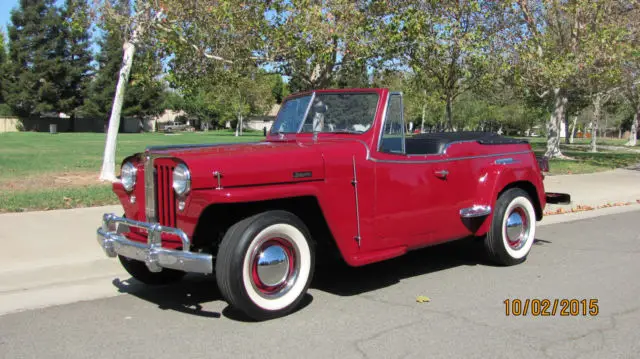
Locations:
442 173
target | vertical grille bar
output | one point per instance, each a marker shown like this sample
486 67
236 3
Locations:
172 199
149 189
159 195
166 202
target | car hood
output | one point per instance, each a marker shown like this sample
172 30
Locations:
243 164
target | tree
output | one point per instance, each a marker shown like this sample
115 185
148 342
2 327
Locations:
135 28
77 55
604 47
631 71
180 24
564 50
35 75
147 92
4 110
545 56
311 41
446 42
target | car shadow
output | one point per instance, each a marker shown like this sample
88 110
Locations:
186 296
343 280
191 294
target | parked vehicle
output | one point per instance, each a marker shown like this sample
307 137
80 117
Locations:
336 174
177 127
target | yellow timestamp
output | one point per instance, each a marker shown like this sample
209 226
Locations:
551 307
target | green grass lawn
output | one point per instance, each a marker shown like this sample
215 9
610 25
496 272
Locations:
584 161
32 153
44 171
35 165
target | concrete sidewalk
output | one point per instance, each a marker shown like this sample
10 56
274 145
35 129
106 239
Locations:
596 189
52 257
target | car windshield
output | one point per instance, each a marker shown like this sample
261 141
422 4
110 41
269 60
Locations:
329 112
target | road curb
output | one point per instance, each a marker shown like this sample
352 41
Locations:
582 215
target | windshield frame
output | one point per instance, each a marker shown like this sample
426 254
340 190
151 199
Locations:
272 131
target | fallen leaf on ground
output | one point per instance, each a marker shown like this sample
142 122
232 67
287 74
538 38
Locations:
422 299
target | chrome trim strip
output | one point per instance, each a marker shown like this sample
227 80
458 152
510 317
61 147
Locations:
505 161
373 159
149 188
384 120
306 112
196 146
354 182
152 254
475 211
452 159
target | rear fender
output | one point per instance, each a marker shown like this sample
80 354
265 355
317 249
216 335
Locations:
499 178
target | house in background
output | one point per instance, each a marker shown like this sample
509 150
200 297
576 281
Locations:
258 123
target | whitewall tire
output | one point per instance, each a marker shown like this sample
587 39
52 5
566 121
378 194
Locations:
265 264
513 228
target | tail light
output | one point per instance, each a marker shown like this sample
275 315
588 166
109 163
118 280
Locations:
543 163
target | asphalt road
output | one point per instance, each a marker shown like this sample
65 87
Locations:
372 311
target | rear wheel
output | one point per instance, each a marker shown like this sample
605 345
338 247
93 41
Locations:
513 228
265 264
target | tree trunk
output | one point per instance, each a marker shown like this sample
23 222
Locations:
633 136
129 49
573 129
597 101
567 135
108 163
424 112
449 113
553 126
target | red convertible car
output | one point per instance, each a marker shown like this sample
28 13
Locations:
337 173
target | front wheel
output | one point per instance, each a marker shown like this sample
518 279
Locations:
513 228
265 264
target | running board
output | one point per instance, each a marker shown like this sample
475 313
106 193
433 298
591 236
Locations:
475 211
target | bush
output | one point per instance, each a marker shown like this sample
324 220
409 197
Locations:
5 110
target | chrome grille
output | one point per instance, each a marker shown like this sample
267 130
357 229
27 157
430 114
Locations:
165 208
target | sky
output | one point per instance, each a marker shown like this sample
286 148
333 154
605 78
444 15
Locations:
5 12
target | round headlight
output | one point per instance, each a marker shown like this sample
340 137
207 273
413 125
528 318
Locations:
181 179
128 175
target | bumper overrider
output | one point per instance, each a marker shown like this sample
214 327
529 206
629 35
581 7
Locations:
151 253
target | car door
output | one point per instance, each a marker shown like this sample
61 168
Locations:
411 192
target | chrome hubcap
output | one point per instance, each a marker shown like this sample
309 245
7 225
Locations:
517 228
273 265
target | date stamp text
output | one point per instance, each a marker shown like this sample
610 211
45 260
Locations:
551 307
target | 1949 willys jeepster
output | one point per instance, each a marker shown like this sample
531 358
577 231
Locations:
337 172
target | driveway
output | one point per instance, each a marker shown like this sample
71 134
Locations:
372 311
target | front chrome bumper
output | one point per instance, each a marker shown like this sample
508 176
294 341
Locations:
151 253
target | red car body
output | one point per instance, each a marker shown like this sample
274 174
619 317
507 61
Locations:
368 202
